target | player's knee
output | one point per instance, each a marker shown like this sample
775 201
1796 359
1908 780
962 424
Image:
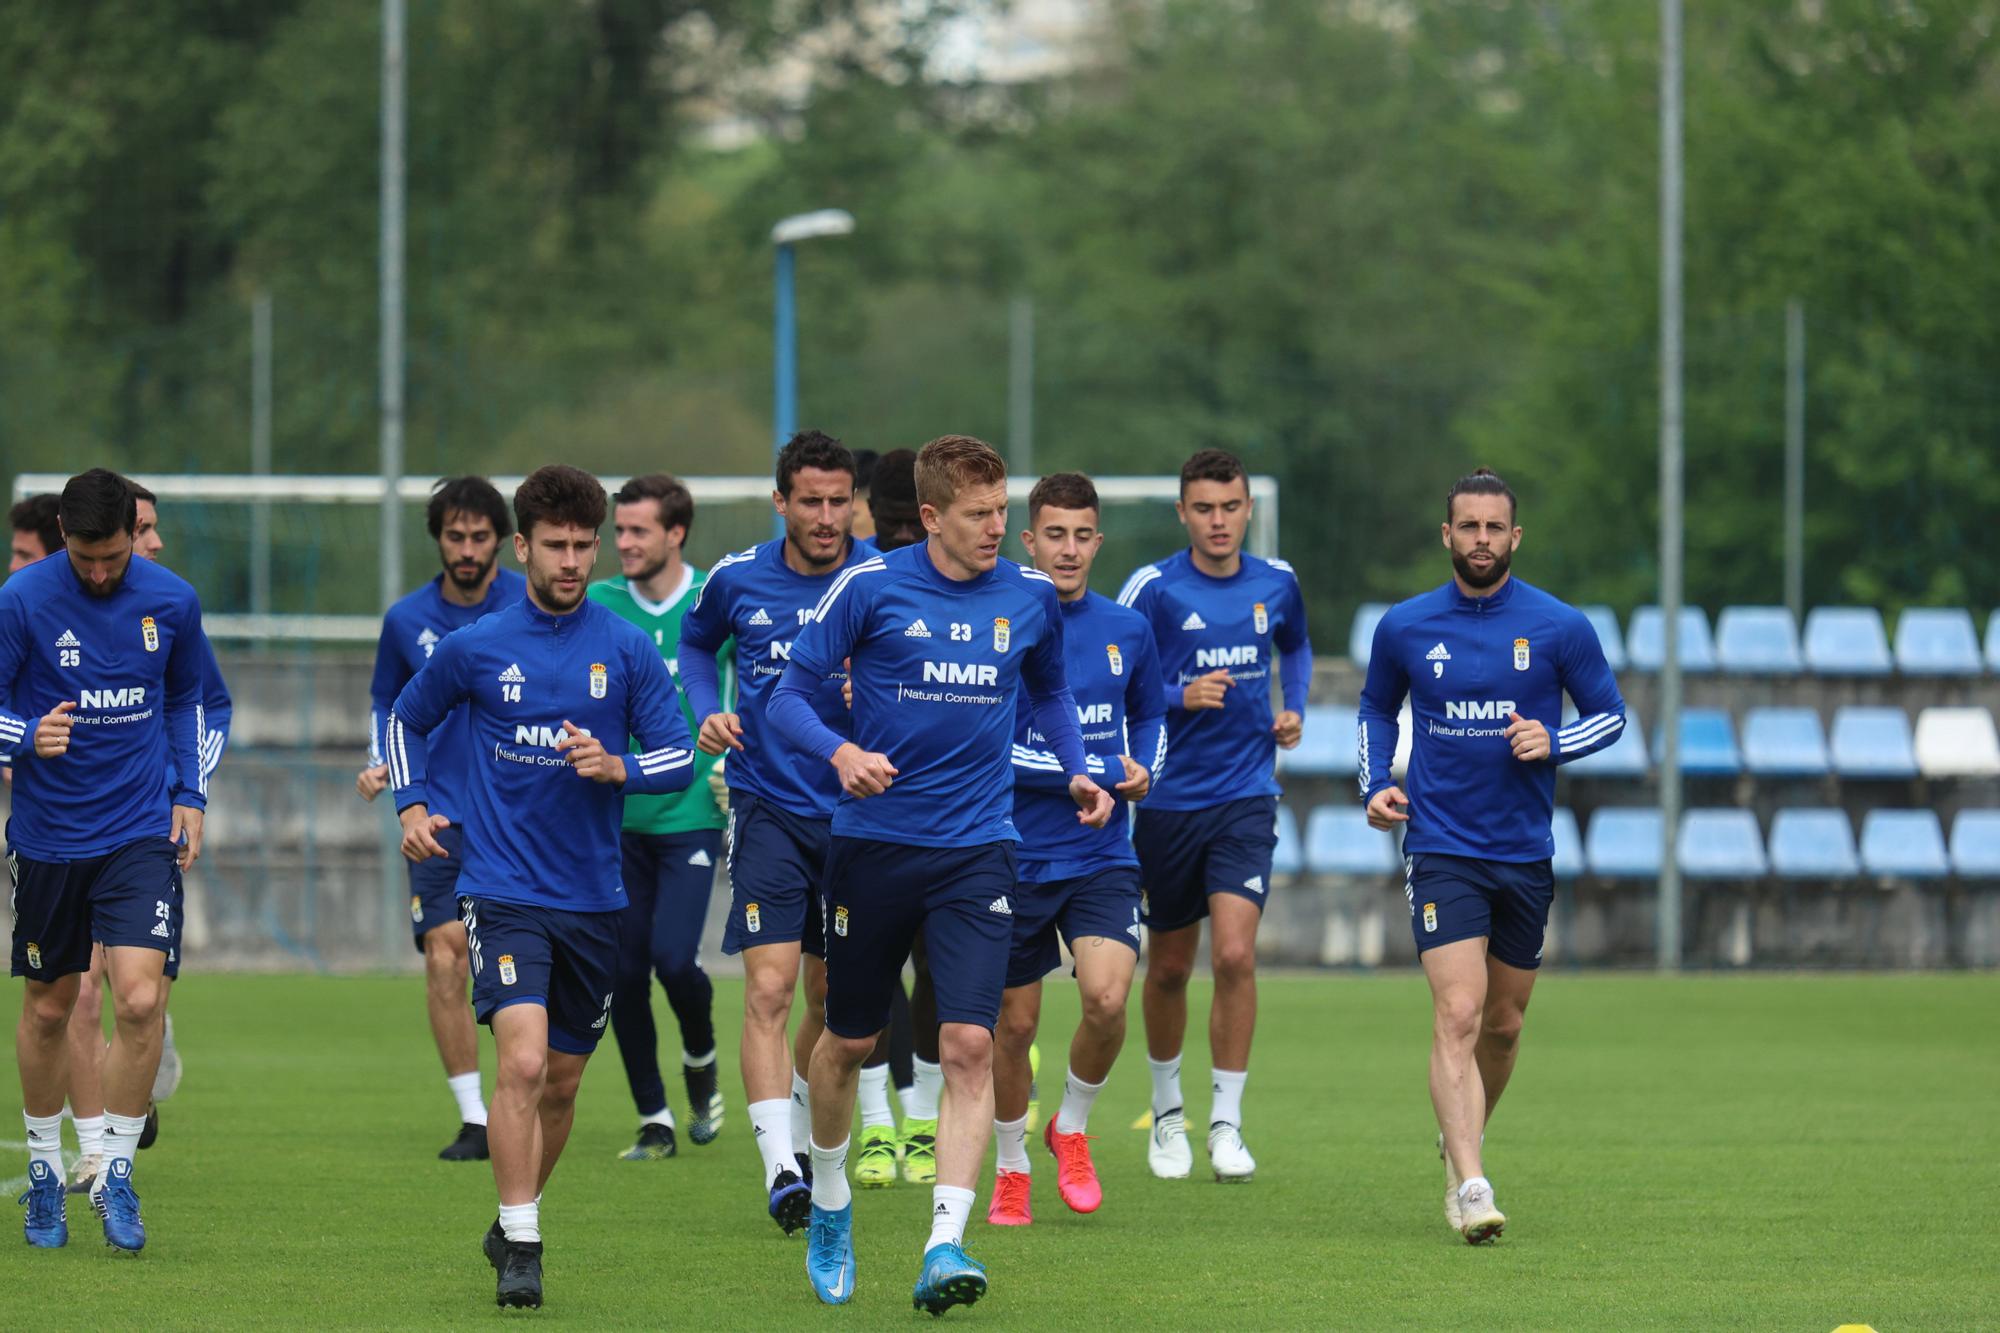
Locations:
524 1070
1233 961
45 1013
767 1001
559 1094
90 1004
1456 1019
1500 1029
138 1001
1104 1007
1016 1028
966 1052
1169 974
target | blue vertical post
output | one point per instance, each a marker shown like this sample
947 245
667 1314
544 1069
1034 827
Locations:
785 368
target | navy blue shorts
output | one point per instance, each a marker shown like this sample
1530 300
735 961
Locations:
563 961
1104 903
1459 898
1186 855
128 898
668 877
878 895
434 885
776 861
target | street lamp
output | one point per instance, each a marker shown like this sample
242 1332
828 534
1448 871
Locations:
785 342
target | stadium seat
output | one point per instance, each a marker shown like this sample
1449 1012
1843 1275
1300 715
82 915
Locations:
1327 747
1289 858
1758 640
1339 842
1872 743
1975 844
1623 758
1721 844
1646 645
1957 743
1624 843
1846 641
1907 844
1813 844
1993 642
1361 638
1784 743
1569 843
1708 743
1937 641
1605 621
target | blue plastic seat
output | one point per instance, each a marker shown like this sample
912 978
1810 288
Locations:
1846 641
1871 742
1975 844
1758 640
1623 758
1624 843
1361 638
1993 642
1646 640
1326 749
1339 842
1937 641
1907 844
1605 621
1708 744
1784 743
1568 861
1289 858
1813 844
1721 843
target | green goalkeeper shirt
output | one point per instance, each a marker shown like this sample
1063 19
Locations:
694 808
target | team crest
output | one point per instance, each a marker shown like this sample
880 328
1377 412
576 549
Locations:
840 922
506 969
1520 654
1117 659
752 922
151 633
1261 618
1000 635
1431 917
416 909
35 956
600 680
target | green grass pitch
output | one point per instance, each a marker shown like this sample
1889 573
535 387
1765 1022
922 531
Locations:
1767 1152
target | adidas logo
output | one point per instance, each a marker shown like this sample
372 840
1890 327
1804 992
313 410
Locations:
760 617
428 636
919 630
1194 621
1255 884
512 675
68 640
162 931
1437 654
700 858
1000 905
1133 930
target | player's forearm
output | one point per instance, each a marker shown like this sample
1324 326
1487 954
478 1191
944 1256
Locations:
700 679
1587 735
1149 745
17 733
1295 669
659 772
1040 770
791 712
1376 739
1055 718
406 749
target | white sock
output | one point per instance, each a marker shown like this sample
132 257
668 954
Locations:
830 1189
45 1139
698 1061
875 1097
1470 1181
90 1136
802 1116
1078 1097
951 1207
1166 1084
522 1222
922 1103
1228 1087
121 1136
663 1116
771 1125
471 1106
1010 1144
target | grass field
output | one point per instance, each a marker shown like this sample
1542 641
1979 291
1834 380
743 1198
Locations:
1710 1152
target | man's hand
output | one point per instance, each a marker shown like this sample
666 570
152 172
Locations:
719 732
186 824
1094 804
52 732
862 772
1382 808
847 683
420 829
1138 781
1288 727
1206 691
718 786
587 755
370 781
1529 738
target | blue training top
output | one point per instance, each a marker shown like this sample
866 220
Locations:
536 832
1466 663
938 664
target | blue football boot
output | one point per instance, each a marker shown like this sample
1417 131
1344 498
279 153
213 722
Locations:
791 1201
118 1204
48 1208
950 1277
830 1254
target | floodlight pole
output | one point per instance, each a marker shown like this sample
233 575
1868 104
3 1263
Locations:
260 451
393 76
1795 458
1668 923
786 235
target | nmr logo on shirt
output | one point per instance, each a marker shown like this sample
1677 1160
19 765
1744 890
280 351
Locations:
546 737
1478 710
1242 655
960 673
126 698
1091 714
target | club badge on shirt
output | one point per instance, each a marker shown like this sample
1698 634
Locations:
1261 618
1000 635
1117 659
1520 654
151 633
600 679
